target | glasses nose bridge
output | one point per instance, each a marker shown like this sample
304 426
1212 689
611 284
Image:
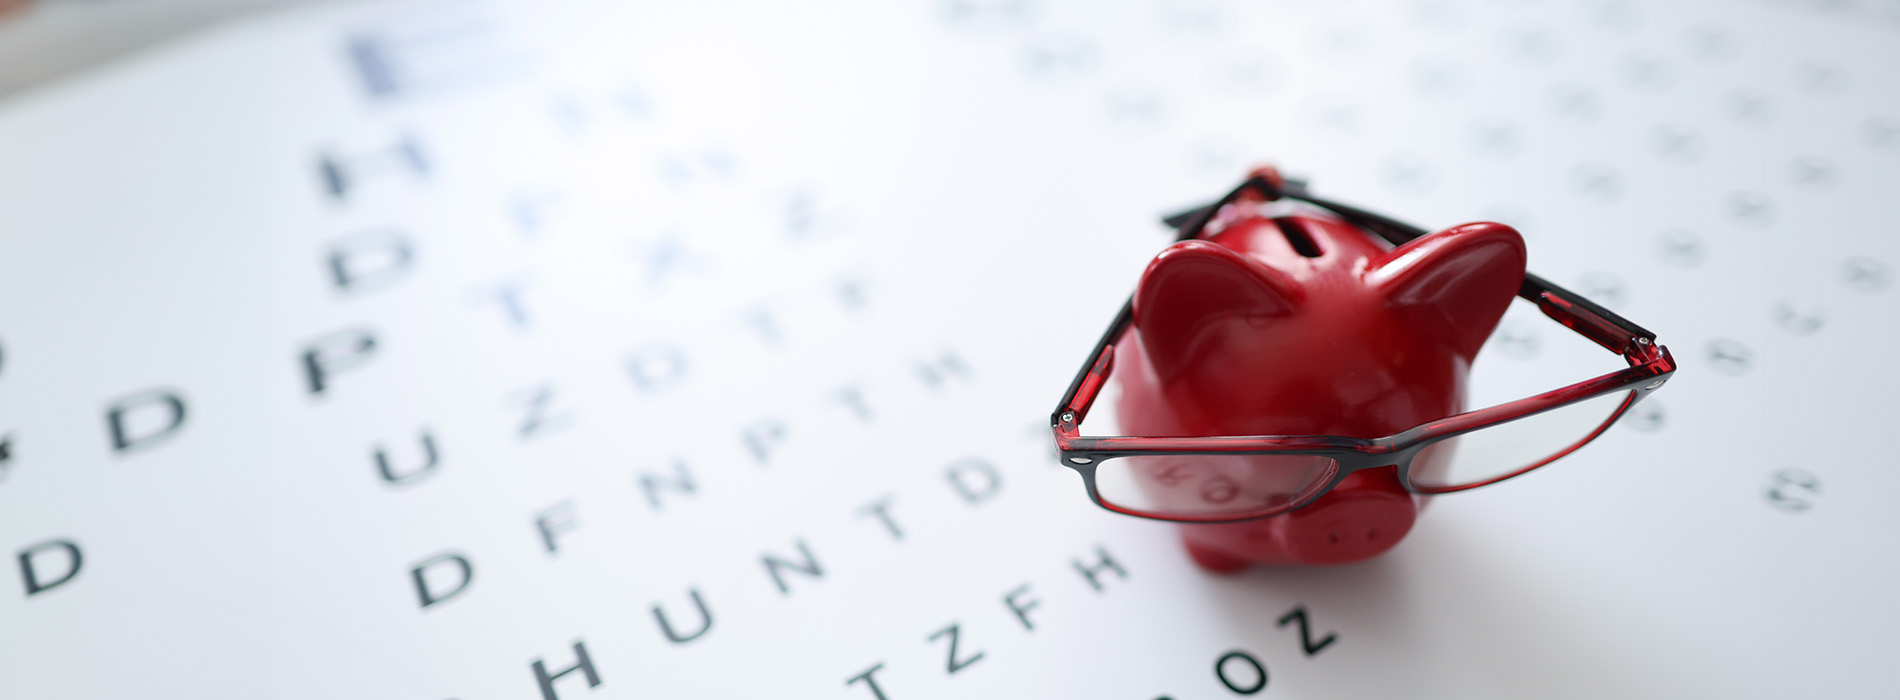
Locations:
1351 463
1382 453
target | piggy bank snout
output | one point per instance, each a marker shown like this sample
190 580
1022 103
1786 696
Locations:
1349 524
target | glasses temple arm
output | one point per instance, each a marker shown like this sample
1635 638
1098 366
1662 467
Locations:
1569 308
1068 415
1189 225
1611 330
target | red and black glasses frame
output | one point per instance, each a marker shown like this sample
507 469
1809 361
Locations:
1650 366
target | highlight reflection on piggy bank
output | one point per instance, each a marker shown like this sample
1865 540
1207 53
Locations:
1298 374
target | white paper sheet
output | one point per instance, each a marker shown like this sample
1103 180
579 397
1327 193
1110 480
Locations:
765 307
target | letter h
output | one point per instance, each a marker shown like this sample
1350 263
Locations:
584 664
341 174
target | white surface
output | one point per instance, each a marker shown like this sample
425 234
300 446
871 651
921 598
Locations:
50 39
988 178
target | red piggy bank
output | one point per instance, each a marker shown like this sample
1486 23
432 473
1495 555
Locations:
1290 321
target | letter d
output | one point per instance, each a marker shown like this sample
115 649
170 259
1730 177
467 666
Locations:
37 553
428 595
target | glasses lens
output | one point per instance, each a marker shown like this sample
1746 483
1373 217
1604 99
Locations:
1211 487
1508 449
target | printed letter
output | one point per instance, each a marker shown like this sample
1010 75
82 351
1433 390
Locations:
536 419
340 174
776 566
853 399
681 482
763 437
954 664
430 49
368 261
558 518
32 574
1311 647
508 295
936 374
1259 672
1094 573
429 461
656 368
154 415
1022 608
870 679
430 597
583 664
987 481
338 351
705 621
882 509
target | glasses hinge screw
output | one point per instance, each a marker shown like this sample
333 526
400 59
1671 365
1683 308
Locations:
1068 417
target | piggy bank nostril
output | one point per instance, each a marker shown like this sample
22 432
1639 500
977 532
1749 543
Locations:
1347 527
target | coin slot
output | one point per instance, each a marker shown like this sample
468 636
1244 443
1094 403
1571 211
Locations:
1296 235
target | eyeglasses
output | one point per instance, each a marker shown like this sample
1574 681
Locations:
1236 478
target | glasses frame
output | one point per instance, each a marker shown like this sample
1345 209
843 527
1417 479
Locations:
1650 367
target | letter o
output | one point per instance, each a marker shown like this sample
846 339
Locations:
1260 672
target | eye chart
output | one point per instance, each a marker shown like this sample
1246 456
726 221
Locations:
591 350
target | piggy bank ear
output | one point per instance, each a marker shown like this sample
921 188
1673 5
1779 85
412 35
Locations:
1456 283
1193 296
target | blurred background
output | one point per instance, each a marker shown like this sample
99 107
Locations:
43 40
825 256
